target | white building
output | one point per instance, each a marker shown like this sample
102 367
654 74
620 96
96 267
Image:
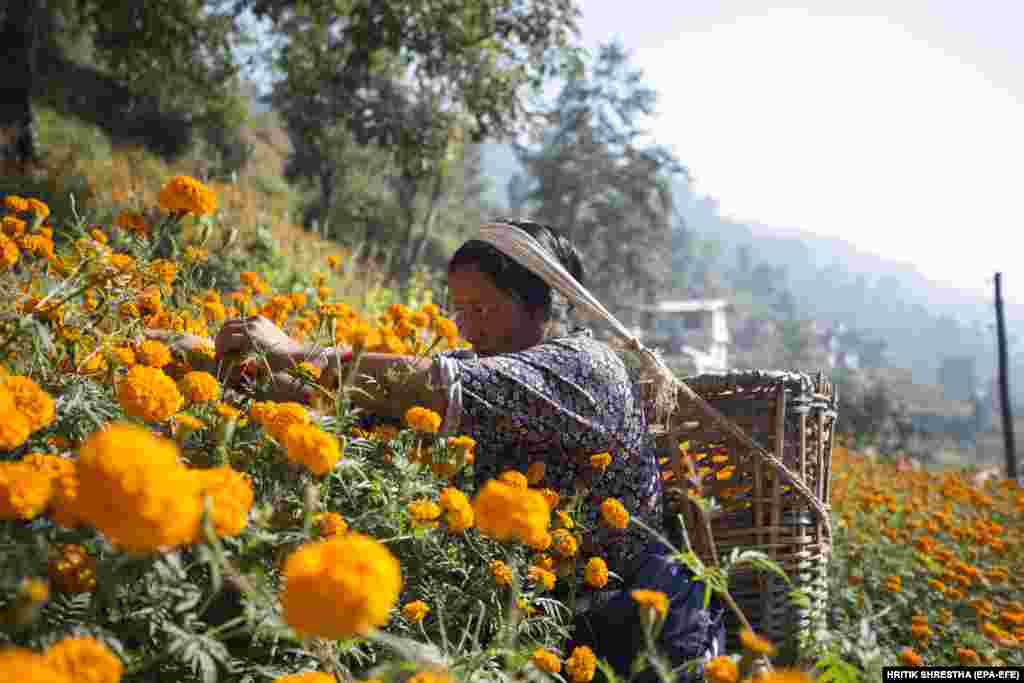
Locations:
696 329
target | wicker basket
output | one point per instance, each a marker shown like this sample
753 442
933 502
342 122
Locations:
791 416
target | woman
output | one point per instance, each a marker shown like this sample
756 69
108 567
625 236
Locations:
535 391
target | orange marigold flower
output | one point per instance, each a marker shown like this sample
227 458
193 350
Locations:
312 447
600 461
187 195
547 661
31 401
564 543
423 420
283 417
539 541
22 664
967 656
505 513
147 393
85 659
595 574
416 611
614 514
307 677
514 478
649 600
722 669
424 512
542 577
72 569
501 572
581 665
25 490
910 658
356 574
200 387
330 524
231 497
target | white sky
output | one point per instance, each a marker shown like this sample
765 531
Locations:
897 126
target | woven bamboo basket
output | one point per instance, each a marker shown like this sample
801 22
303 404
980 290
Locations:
791 416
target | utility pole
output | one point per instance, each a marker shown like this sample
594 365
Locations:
1004 385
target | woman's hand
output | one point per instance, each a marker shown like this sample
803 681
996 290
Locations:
241 336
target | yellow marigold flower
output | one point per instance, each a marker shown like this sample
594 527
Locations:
756 644
651 600
595 574
539 541
600 461
132 488
416 611
614 513
542 577
85 659
187 195
307 677
535 473
513 478
31 401
283 417
452 499
231 497
722 670
147 393
16 204
459 519
910 658
312 447
505 513
423 420
200 387
25 490
564 543
547 661
424 512
21 664
72 569
124 355
581 665
501 572
357 575
330 524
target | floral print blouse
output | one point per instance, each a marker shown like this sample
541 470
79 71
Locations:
558 403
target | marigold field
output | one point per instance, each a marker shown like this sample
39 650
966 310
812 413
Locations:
157 526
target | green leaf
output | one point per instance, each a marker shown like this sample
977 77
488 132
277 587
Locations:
835 669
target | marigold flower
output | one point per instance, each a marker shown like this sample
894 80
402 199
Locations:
149 394
39 208
423 420
283 416
756 644
595 574
581 665
16 204
501 572
424 512
132 488
614 514
552 497
31 401
967 656
21 664
200 387
547 661
231 497
505 513
312 447
785 676
431 677
9 252
354 573
25 491
85 659
124 355
227 412
722 669
910 658
649 600
72 569
330 524
416 611
307 677
600 461
564 543
187 195
539 541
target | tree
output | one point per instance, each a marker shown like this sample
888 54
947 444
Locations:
595 176
415 77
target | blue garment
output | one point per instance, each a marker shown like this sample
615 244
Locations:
690 631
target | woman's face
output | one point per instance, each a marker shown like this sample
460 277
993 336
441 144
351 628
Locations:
490 319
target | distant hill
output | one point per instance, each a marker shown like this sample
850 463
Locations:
833 281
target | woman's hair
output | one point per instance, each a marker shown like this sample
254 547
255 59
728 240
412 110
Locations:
517 280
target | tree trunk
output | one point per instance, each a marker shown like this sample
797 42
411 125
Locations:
1004 385
18 40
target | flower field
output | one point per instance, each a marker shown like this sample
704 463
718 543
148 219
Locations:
157 526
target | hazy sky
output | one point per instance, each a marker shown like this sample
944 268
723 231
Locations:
898 126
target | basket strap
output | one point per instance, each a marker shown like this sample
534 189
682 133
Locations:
735 431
